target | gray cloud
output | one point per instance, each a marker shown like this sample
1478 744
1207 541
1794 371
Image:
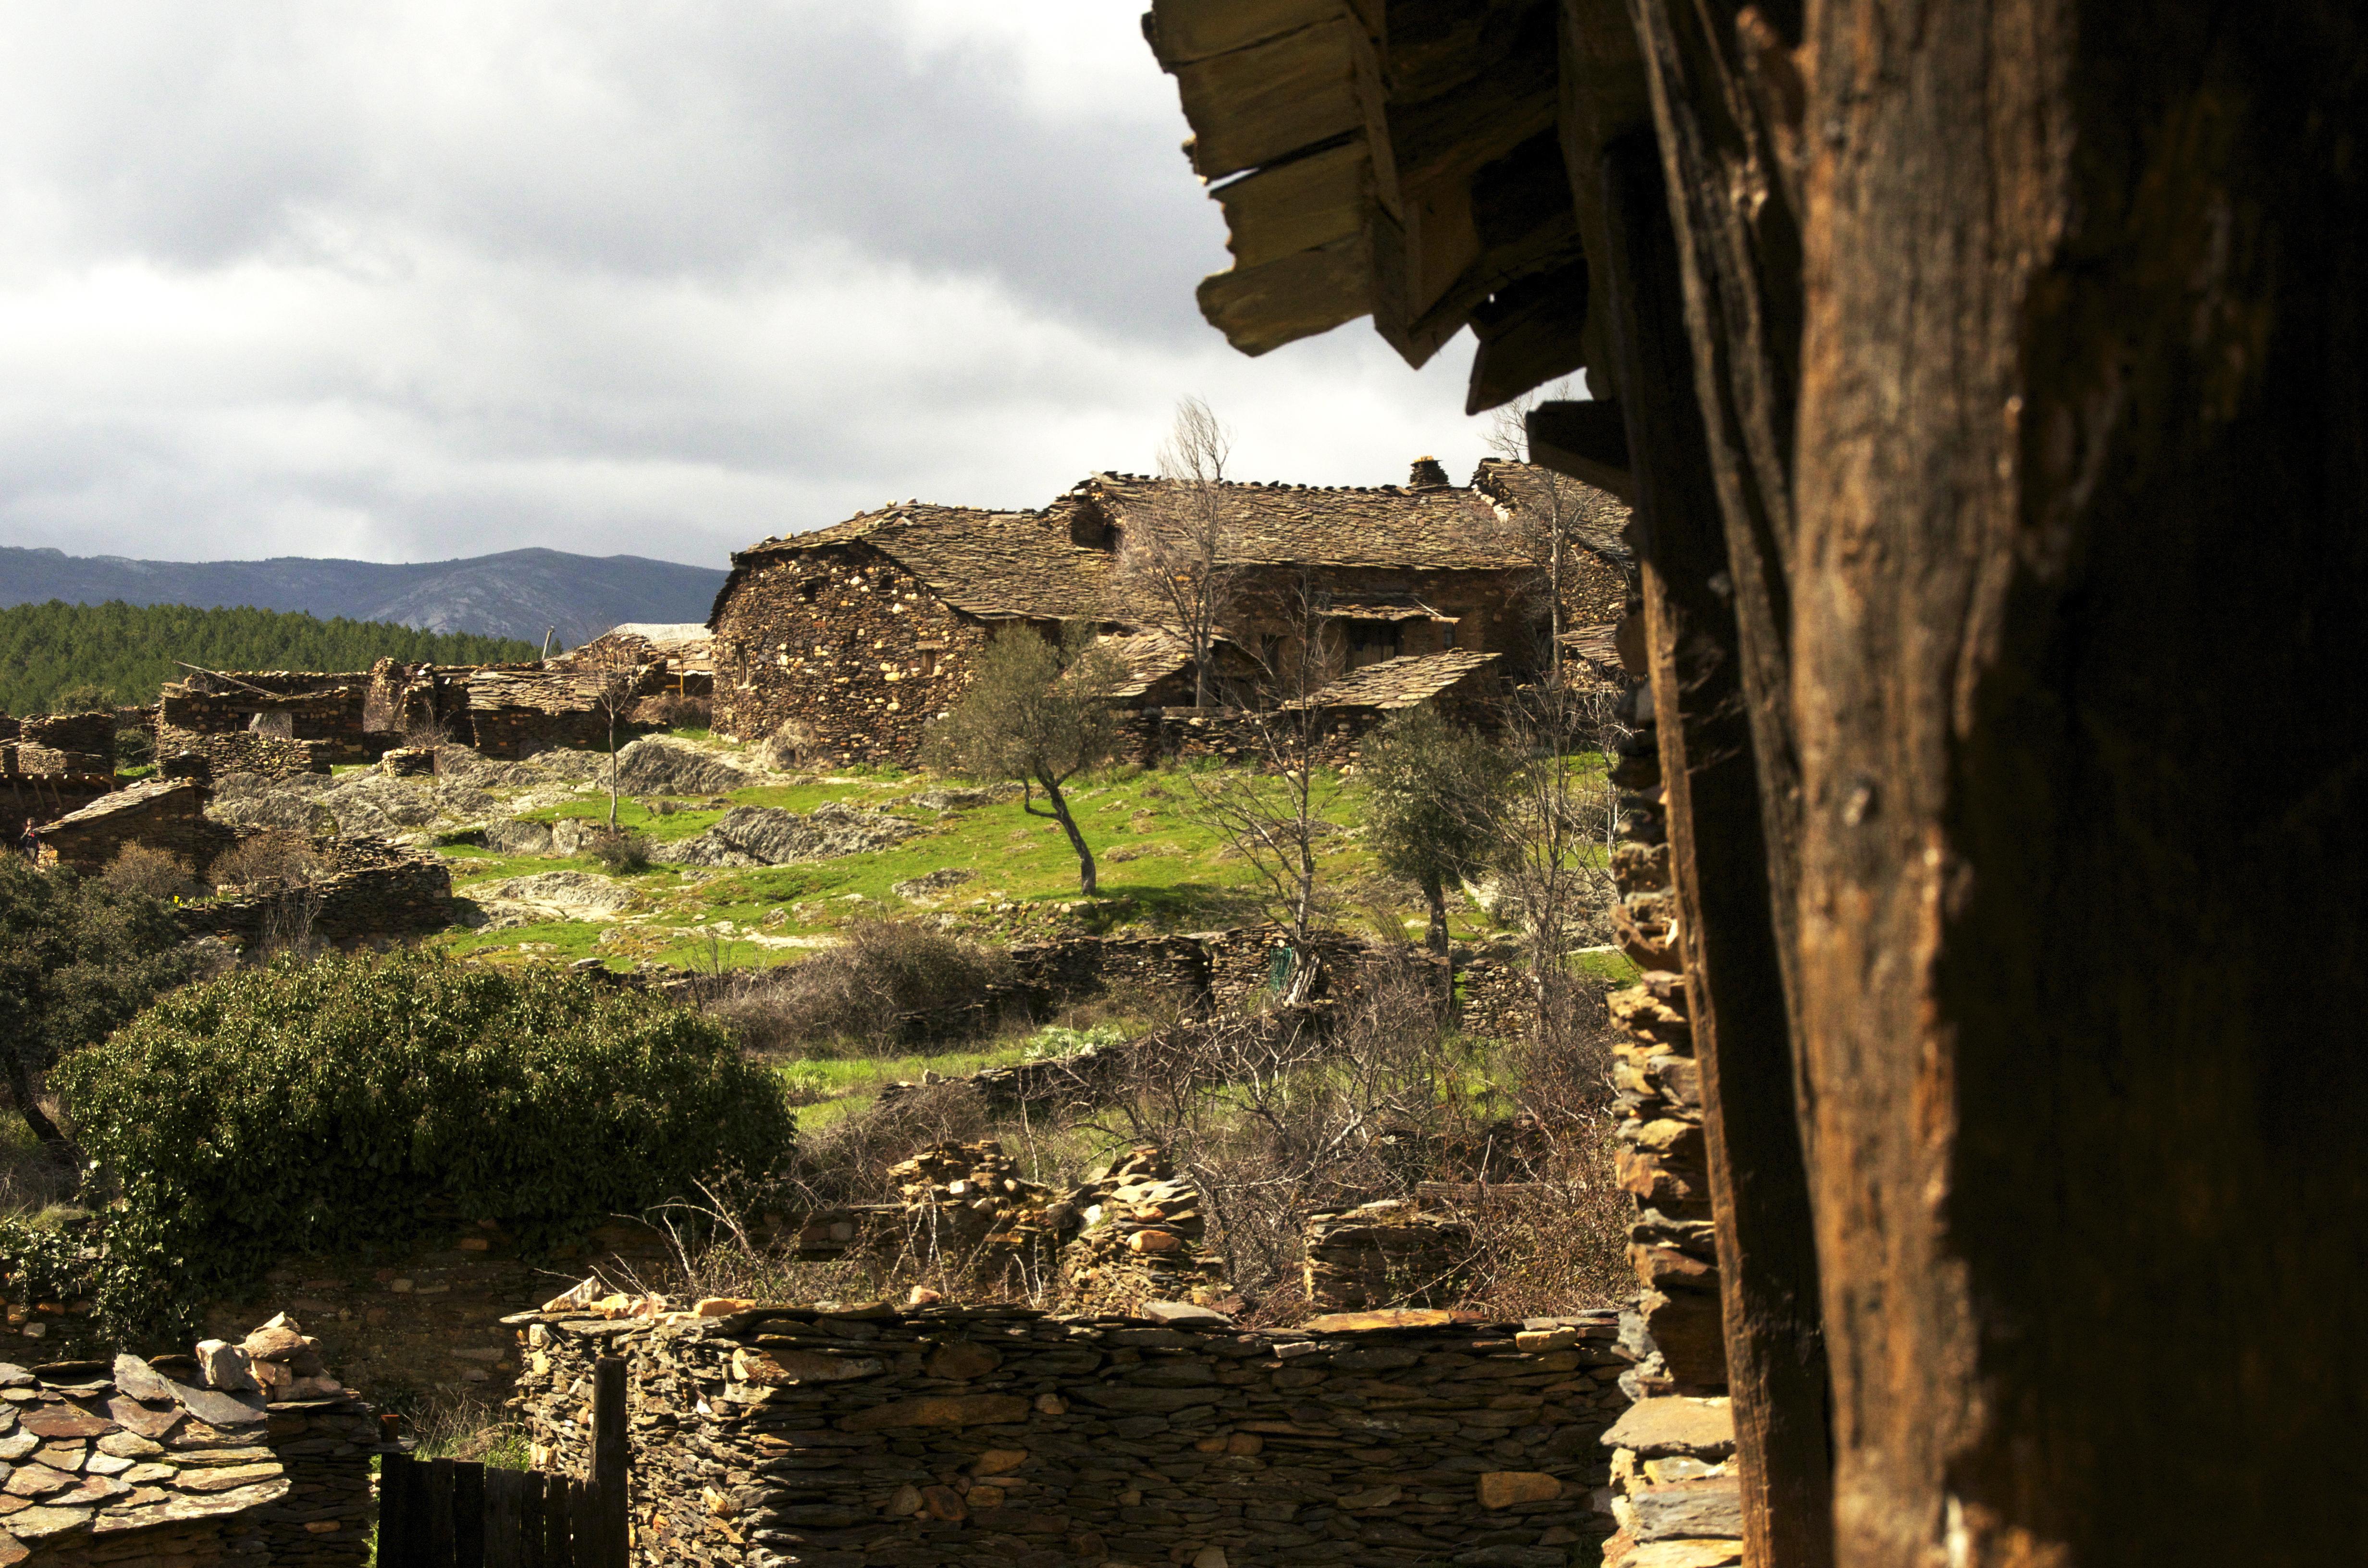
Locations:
429 279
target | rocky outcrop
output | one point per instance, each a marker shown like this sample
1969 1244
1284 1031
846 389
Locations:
654 766
1000 1438
766 836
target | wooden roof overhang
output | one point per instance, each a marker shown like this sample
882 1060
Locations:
1428 163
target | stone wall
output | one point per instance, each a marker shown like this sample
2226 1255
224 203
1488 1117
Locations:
53 764
164 814
1004 1437
1677 1501
324 711
248 1453
371 891
189 754
847 648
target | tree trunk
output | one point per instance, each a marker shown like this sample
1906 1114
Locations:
21 1089
1087 882
1434 896
2083 468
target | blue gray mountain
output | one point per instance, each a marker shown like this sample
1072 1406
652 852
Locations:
520 593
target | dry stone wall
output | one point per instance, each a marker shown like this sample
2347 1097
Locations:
1676 1500
1002 1437
248 1454
845 649
371 891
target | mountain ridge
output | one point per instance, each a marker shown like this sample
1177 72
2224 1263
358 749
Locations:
516 593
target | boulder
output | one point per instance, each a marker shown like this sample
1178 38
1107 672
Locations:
657 765
767 836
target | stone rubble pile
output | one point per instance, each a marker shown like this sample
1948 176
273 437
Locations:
997 1436
967 1205
1140 1238
245 1453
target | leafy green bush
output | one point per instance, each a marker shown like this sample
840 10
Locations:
353 1101
41 1263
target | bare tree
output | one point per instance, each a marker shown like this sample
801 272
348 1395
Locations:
1175 553
1548 510
1272 811
615 675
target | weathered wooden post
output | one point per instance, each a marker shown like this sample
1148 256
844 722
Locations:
610 1501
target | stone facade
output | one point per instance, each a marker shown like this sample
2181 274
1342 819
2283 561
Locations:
248 1453
53 764
840 646
1002 1437
848 639
1678 1502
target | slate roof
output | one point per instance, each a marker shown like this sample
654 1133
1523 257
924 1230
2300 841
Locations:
989 563
1402 682
1439 528
1593 517
129 799
994 563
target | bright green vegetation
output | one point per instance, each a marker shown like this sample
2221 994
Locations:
58 657
830 1089
1160 872
352 1101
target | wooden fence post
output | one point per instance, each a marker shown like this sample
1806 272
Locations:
612 1531
440 1516
402 1512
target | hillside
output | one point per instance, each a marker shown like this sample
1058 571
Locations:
73 656
518 592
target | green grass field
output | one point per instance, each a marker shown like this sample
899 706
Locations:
1160 869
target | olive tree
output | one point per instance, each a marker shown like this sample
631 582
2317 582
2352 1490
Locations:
1431 794
1037 714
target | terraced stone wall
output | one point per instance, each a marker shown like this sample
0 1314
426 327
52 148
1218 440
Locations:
1001 1437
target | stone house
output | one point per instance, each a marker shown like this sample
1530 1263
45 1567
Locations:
854 636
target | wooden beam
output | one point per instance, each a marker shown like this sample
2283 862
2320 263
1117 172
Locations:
1719 865
1181 31
1253 106
1586 440
1301 204
2082 452
1262 308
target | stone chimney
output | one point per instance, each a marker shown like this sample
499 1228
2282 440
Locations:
1427 475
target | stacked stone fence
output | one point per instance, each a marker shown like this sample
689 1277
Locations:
248 1454
1004 1437
371 891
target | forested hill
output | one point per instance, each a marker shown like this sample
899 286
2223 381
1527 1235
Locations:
64 657
520 593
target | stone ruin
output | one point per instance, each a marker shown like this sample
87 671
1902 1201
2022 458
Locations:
1000 1436
250 1453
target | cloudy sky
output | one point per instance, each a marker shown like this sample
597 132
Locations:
410 281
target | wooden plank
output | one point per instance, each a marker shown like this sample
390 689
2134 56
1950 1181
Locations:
504 1523
440 1516
1720 864
1181 31
1255 105
558 1522
402 1512
468 1515
1584 440
1301 204
610 1462
1299 296
583 1525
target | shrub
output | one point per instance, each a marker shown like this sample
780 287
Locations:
619 851
881 974
275 855
143 869
353 1100
135 743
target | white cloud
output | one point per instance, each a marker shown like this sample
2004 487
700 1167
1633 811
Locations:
440 278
